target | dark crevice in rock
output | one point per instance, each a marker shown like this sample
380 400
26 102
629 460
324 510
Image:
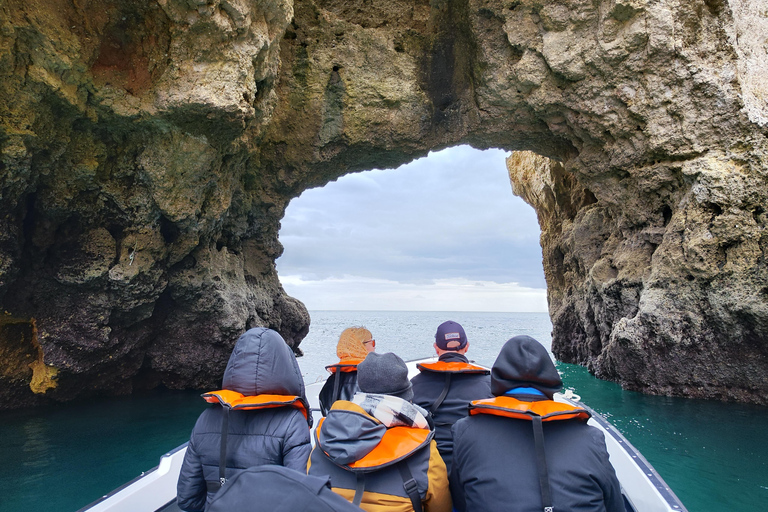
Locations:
666 214
169 230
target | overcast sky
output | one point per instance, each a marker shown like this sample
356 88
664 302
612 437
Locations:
442 233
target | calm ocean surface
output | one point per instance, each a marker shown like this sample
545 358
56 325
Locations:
712 454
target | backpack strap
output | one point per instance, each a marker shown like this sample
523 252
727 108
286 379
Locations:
409 484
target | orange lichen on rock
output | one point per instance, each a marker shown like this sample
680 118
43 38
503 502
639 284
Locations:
21 355
43 375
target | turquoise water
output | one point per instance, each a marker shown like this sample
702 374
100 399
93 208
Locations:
711 454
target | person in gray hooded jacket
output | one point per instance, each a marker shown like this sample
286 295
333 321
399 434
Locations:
377 448
510 454
260 417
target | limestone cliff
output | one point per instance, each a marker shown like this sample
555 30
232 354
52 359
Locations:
148 151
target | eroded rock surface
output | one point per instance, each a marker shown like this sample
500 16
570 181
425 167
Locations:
148 151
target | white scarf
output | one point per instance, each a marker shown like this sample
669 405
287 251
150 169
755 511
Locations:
391 410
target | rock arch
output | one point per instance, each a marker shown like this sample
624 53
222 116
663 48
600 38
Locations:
142 185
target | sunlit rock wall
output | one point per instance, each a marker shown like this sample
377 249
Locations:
149 149
137 240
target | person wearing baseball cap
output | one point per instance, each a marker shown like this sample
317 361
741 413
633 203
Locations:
447 386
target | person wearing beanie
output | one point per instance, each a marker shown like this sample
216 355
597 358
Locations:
354 344
260 417
377 448
446 387
510 454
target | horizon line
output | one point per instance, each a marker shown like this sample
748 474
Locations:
425 311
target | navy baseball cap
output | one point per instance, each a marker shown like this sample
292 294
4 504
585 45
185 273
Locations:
450 336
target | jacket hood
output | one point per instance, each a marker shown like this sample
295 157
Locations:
524 362
262 363
349 433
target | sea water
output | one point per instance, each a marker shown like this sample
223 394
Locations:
61 458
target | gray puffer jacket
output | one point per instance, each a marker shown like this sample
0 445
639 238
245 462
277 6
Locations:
261 363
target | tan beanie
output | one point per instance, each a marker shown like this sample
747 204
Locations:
350 344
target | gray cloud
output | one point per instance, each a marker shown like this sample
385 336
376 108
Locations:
450 215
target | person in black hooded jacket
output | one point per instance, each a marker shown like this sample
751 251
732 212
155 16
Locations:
498 450
263 412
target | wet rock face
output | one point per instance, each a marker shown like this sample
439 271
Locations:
148 151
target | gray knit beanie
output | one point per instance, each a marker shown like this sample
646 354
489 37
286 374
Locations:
386 374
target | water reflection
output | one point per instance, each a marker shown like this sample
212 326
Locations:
37 446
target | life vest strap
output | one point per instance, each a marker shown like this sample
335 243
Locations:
359 488
223 448
410 486
541 464
443 393
336 386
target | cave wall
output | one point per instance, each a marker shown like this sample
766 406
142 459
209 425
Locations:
148 151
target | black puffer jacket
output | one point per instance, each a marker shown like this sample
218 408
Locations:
465 387
261 363
346 387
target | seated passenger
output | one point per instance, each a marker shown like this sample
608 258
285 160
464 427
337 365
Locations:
446 387
278 489
354 344
378 449
509 455
260 417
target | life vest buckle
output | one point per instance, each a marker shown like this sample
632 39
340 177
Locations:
410 486
222 481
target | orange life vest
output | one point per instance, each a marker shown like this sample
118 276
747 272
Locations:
396 444
234 401
345 365
547 410
452 367
237 402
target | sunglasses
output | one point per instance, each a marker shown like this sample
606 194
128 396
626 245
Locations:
370 341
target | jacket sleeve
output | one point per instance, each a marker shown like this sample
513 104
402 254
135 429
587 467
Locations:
438 497
191 489
296 447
